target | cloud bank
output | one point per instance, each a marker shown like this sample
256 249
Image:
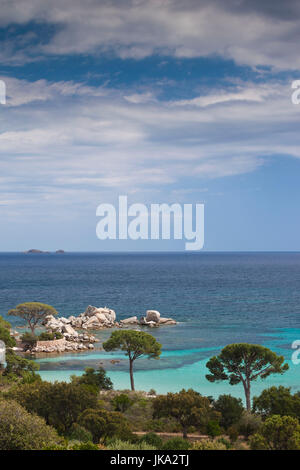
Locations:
66 141
250 32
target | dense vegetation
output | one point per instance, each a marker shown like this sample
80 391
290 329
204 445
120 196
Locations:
87 414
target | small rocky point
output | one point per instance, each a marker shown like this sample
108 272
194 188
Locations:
101 318
152 319
92 319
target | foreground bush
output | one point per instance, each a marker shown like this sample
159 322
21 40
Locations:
94 380
104 424
277 433
29 340
233 433
153 440
18 369
73 445
176 443
84 446
125 445
231 410
249 424
121 402
187 407
19 430
78 433
207 444
59 403
277 401
213 429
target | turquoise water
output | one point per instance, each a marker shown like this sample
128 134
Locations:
174 379
217 299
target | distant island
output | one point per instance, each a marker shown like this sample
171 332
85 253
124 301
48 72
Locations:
38 252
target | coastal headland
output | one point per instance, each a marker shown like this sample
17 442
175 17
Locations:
74 332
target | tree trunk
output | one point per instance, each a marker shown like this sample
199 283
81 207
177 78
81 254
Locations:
131 374
248 399
184 433
31 327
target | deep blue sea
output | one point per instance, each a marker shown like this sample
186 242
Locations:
217 298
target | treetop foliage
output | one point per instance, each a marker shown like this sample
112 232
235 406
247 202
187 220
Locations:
244 360
134 343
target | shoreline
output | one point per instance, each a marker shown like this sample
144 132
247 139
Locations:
174 380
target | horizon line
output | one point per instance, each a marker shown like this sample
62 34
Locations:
46 252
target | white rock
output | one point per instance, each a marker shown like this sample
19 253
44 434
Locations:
92 311
77 323
93 322
143 321
152 315
167 321
54 326
69 330
130 320
101 317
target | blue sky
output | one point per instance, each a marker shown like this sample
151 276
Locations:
164 101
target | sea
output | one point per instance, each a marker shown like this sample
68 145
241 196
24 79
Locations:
216 298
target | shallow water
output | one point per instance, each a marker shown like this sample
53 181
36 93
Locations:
218 298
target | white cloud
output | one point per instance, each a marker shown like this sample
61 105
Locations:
60 151
139 98
21 92
256 93
247 31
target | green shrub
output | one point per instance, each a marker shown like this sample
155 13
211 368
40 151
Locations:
207 444
277 401
153 440
155 425
249 424
233 433
225 442
59 403
84 446
29 339
79 433
105 424
231 410
213 429
117 444
121 402
56 446
277 433
94 379
73 445
18 367
187 407
176 443
47 336
19 430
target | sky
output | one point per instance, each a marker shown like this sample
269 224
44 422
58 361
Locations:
161 100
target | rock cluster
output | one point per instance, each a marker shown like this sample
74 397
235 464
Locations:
59 346
99 318
152 319
92 319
